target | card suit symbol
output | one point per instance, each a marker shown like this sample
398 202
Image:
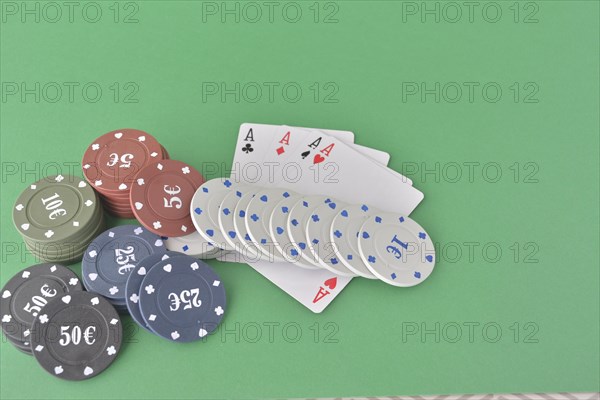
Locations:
305 154
158 243
59 178
25 227
73 281
134 298
264 198
98 182
152 317
184 228
194 266
149 289
247 237
142 271
263 241
138 205
6 318
44 318
66 299
242 213
429 258
216 283
141 182
88 371
280 150
168 268
95 146
81 184
422 235
247 148
185 248
219 310
349 257
20 207
327 201
371 259
111 351
39 348
93 253
53 268
334 261
92 276
318 159
122 186
279 230
185 170
202 332
254 217
331 283
227 183
175 335
226 211
294 252
88 203
305 203
393 275
302 245
205 190
337 234
118 135
332 205
159 166
6 294
198 210
364 207
238 193
315 241
142 138
315 218
49 233
366 235
95 301
417 275
294 222
284 209
26 333
378 220
232 234
113 290
401 219
157 225
58 370
210 232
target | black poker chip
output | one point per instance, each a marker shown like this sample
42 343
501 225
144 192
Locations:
77 336
28 292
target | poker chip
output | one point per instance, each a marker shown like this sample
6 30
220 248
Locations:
182 299
227 213
244 244
112 162
318 238
298 218
28 292
396 249
134 282
258 212
278 231
76 336
344 232
110 258
205 210
57 216
192 245
161 197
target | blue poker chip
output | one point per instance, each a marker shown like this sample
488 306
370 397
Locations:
182 299
112 256
134 282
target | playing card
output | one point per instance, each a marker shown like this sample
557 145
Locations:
315 289
321 164
252 148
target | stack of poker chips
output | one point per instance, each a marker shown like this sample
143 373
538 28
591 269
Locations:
112 256
112 162
58 217
175 296
26 294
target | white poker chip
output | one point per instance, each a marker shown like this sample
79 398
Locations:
204 210
344 234
227 213
244 246
296 226
258 213
278 231
193 245
318 237
396 249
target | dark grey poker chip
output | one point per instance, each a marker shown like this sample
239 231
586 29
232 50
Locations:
27 293
182 299
77 336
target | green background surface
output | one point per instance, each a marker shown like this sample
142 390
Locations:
543 140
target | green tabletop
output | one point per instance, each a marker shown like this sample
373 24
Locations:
491 108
